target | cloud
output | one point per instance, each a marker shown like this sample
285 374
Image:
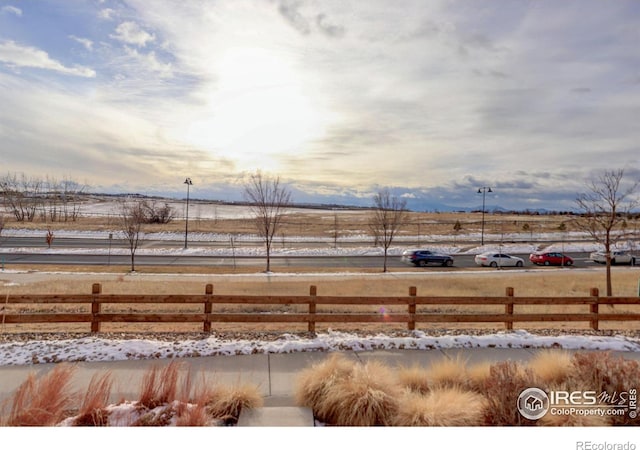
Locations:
328 28
107 14
131 33
87 43
11 10
290 11
149 62
16 55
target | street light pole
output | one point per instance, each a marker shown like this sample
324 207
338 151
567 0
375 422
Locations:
186 222
483 190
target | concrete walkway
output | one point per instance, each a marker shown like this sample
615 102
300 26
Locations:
275 374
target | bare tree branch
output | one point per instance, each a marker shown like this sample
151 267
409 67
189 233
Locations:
132 217
269 200
606 206
390 214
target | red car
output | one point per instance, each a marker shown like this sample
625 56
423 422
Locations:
550 259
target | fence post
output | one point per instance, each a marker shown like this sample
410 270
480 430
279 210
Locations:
508 308
208 292
594 308
96 290
313 291
413 291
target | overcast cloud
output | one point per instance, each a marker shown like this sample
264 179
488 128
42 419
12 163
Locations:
433 99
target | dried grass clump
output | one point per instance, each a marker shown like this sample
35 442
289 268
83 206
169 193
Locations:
93 410
227 402
44 401
315 382
194 416
444 407
477 375
414 379
551 366
506 381
160 386
368 396
605 373
447 373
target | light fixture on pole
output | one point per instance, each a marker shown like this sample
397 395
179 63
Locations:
483 190
186 222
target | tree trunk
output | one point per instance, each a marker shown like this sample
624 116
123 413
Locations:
268 257
385 260
607 249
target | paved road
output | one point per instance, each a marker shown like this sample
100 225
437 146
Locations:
365 262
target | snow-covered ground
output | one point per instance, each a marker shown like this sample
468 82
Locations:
295 245
356 244
102 349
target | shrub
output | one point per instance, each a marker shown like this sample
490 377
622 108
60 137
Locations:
227 403
445 407
414 379
368 396
604 373
315 382
551 366
447 373
506 381
159 386
44 401
93 407
477 376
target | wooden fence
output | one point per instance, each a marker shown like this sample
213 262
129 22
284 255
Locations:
592 313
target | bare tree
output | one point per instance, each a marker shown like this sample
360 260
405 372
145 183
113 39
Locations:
390 214
605 206
268 199
131 219
154 213
21 195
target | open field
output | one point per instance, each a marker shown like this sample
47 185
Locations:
211 217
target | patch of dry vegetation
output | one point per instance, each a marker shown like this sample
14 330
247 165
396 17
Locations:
441 407
454 394
341 392
168 397
93 409
43 401
345 393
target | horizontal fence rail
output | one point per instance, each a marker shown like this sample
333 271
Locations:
311 317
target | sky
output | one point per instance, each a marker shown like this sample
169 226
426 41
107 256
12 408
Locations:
433 100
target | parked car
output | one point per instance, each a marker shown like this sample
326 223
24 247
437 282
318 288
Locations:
550 259
421 258
492 259
617 257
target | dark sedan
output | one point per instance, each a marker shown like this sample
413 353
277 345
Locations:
422 258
